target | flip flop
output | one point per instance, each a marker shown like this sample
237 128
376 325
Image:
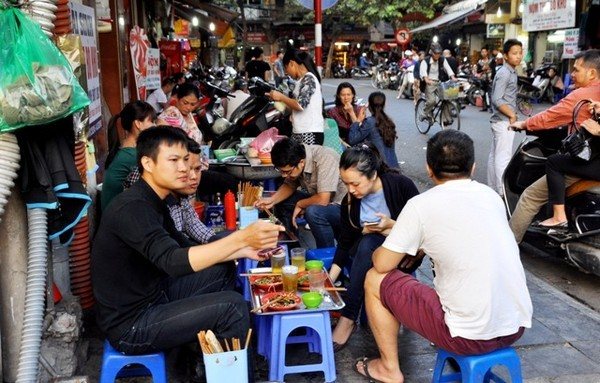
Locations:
365 362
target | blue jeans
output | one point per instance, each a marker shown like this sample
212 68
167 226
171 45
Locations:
324 221
199 301
361 255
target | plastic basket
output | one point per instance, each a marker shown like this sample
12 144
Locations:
448 90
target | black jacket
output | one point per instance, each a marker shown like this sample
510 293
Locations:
397 190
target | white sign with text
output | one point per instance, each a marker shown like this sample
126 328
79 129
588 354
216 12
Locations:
543 15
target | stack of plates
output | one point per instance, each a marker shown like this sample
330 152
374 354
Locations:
43 12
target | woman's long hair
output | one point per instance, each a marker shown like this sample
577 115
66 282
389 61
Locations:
133 111
301 57
366 159
384 124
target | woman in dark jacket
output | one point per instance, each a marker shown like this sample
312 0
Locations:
376 195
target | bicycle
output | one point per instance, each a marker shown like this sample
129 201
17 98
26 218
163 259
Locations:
447 96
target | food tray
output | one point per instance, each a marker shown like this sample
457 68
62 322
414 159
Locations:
331 299
250 170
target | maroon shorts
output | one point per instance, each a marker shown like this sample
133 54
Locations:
417 307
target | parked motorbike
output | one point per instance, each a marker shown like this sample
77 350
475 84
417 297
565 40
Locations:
393 75
252 117
339 71
476 90
580 245
359 72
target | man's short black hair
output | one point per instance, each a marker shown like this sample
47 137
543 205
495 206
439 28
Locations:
590 58
256 52
509 44
450 155
287 152
150 139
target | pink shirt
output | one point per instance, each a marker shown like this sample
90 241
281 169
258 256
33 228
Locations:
562 113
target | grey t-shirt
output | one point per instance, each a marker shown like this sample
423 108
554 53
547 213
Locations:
504 92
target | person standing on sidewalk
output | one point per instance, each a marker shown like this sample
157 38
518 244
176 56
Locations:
586 77
278 69
504 107
480 301
486 68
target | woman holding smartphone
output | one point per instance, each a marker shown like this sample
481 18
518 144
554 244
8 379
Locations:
376 195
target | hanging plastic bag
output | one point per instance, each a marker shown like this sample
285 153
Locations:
37 84
265 141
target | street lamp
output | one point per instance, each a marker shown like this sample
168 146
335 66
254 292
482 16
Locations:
211 26
195 21
435 39
458 42
499 13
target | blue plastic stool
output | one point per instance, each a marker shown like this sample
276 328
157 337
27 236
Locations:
477 368
282 325
114 361
264 326
326 255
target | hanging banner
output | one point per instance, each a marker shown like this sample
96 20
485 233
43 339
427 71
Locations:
153 69
138 45
543 15
571 47
83 21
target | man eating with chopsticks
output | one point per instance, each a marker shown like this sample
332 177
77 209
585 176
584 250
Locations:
155 289
315 169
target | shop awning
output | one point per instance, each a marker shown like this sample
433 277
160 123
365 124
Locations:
452 14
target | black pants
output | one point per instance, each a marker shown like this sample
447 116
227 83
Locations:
560 164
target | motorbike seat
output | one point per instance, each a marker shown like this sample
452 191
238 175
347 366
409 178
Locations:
583 186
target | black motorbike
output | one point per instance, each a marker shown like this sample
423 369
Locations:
361 72
580 244
339 71
253 116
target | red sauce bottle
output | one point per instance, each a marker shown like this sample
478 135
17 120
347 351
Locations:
230 220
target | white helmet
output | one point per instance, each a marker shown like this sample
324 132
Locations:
408 53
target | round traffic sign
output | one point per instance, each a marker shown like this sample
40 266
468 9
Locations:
402 36
310 4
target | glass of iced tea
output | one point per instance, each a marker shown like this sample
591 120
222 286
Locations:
298 256
277 261
290 278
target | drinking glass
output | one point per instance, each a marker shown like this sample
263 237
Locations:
299 258
277 262
290 278
316 280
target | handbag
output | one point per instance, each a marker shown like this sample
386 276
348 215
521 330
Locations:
577 144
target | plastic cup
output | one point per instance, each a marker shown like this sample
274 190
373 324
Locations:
298 255
277 262
290 278
316 280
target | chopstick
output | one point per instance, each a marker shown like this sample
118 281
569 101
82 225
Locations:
209 347
259 274
254 311
276 221
304 288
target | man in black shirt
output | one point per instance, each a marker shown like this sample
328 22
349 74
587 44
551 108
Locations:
257 67
155 289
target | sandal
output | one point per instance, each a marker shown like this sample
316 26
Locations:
340 346
365 363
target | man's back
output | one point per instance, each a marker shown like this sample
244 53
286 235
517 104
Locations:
479 278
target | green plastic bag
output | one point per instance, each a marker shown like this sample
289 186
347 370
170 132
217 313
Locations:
37 84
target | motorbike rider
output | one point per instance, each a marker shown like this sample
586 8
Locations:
407 63
240 94
434 69
586 76
363 62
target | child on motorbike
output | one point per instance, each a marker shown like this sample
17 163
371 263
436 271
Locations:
407 63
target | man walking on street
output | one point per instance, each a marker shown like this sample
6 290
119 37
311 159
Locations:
504 106
586 77
473 308
278 69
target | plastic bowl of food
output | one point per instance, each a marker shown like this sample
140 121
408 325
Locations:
312 300
285 301
267 282
314 265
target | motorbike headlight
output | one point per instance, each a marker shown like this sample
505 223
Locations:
220 126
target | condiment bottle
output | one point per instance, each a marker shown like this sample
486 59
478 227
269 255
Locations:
230 223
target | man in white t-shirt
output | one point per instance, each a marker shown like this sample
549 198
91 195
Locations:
479 302
158 99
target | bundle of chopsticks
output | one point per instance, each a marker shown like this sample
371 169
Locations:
248 194
210 344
